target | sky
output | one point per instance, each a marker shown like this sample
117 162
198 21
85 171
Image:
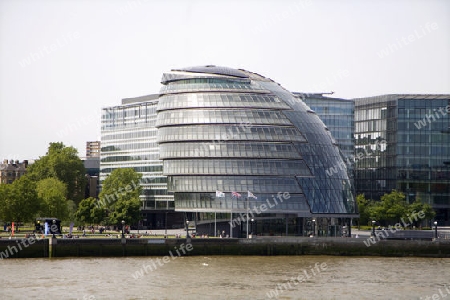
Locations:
62 61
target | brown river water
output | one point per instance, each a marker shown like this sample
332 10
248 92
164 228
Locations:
226 277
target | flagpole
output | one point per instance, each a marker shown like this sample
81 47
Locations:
247 217
215 224
231 219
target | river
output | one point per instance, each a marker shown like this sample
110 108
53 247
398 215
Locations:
226 277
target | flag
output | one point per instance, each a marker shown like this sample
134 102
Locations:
220 194
236 194
250 195
12 228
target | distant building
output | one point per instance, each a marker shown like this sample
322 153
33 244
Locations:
12 170
93 149
92 166
403 143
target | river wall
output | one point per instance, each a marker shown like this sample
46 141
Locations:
105 247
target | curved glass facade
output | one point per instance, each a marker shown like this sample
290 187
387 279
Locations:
225 100
230 149
227 134
222 116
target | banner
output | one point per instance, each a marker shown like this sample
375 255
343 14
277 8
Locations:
46 228
12 228
71 228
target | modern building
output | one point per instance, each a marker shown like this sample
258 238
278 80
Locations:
236 144
128 137
403 143
92 166
12 170
338 115
93 149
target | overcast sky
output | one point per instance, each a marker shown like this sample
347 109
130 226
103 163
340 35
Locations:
62 61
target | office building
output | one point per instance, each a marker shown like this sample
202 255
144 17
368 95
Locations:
128 137
92 166
338 115
403 142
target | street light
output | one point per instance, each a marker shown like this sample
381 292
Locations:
53 228
435 229
187 229
123 226
373 227
314 226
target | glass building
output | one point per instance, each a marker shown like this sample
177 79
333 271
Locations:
403 143
338 115
233 142
128 140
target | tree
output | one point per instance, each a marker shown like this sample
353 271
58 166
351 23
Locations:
363 205
5 192
52 193
19 200
127 210
394 208
89 211
376 211
394 205
418 206
62 163
120 196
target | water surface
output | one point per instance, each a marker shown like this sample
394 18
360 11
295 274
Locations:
224 277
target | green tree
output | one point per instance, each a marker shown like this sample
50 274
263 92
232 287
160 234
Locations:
418 206
375 211
394 206
390 209
52 193
63 163
5 192
363 205
19 200
89 212
120 196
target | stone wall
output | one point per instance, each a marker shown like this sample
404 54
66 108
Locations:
260 246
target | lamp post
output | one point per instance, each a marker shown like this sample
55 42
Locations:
251 230
123 226
187 229
435 229
314 226
53 228
373 227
